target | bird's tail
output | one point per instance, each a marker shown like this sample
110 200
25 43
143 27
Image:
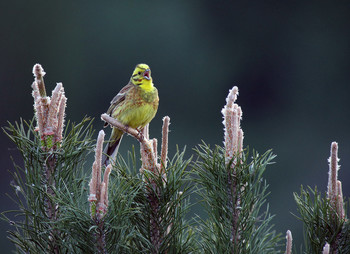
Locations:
111 150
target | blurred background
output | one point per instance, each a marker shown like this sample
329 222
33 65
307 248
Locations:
290 60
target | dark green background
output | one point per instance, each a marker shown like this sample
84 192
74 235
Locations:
290 60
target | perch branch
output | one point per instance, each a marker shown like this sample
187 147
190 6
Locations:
136 134
131 131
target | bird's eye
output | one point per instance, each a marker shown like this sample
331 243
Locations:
139 73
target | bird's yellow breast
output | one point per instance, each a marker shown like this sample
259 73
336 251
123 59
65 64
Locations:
138 116
138 109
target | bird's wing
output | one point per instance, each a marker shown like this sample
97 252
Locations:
118 99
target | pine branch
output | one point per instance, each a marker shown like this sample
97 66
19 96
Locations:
256 235
49 115
33 229
49 161
149 162
98 197
324 217
160 221
233 192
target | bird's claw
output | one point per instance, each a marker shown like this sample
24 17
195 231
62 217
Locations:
140 135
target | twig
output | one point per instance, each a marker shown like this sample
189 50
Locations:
98 197
233 140
289 242
125 128
326 249
51 207
165 132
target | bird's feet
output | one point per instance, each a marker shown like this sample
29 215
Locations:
140 135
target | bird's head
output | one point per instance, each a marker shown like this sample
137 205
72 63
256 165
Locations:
142 77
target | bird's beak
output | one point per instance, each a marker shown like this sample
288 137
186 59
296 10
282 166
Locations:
146 74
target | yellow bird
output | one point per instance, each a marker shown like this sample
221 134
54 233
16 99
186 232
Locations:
135 106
